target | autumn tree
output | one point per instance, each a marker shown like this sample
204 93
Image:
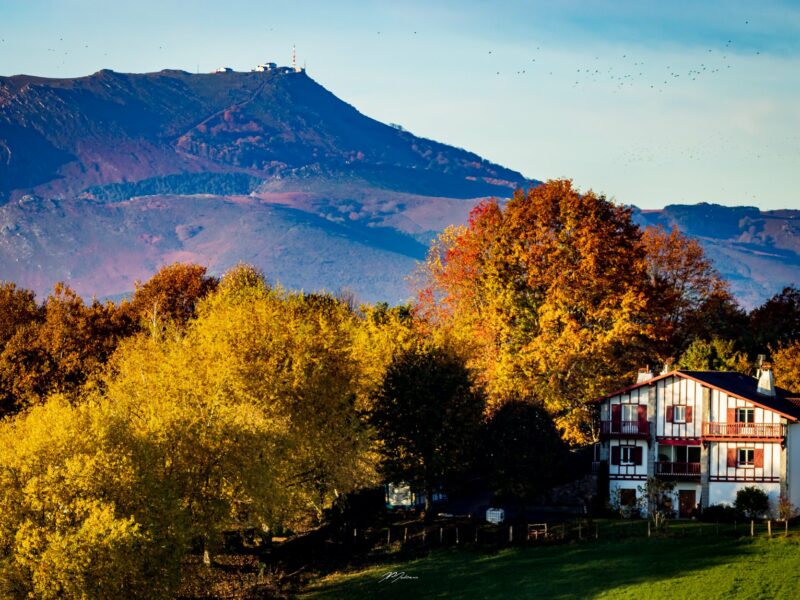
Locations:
426 414
62 349
548 292
786 366
688 297
172 294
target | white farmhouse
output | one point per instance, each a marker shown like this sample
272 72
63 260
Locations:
710 432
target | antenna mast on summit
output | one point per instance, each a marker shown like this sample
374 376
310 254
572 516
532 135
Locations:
294 58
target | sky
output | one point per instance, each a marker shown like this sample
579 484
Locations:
649 102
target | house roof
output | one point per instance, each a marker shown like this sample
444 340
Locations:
735 384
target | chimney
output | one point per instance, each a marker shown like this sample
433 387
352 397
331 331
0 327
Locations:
645 374
667 366
766 382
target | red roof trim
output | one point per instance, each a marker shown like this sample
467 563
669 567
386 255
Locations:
678 373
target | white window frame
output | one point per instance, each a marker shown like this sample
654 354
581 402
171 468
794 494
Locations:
627 408
751 464
626 450
746 411
676 412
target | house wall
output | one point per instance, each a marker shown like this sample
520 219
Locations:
793 463
674 391
615 485
721 402
719 470
637 396
725 493
637 472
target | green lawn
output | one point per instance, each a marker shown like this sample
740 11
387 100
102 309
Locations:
678 567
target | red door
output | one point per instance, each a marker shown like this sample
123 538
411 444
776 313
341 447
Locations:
687 502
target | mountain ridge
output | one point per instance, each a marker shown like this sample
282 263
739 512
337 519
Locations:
105 178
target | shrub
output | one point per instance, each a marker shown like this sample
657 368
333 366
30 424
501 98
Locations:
752 501
720 513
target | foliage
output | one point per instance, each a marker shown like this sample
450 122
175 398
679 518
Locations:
656 500
683 285
522 451
786 366
786 510
720 513
777 321
714 355
171 295
752 501
183 184
243 418
546 293
427 414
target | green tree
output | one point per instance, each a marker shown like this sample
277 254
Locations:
522 453
752 501
714 355
426 414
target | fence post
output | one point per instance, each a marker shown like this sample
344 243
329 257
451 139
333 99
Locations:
510 534
752 527
648 527
786 531
441 534
405 534
456 535
476 533
424 531
596 531
769 528
388 536
580 535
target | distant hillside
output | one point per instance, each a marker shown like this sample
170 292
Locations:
757 251
105 178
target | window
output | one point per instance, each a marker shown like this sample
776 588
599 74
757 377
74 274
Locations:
745 415
627 455
679 414
746 457
630 412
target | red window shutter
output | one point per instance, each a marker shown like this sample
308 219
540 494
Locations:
616 413
641 411
758 457
732 457
614 455
670 414
731 415
688 414
637 455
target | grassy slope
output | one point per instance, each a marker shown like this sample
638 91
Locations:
697 567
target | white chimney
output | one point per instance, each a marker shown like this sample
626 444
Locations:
766 382
644 375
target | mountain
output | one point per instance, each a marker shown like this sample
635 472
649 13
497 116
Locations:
757 251
105 178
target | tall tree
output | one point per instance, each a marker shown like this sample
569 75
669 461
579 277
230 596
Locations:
786 366
688 297
777 321
426 415
172 294
548 292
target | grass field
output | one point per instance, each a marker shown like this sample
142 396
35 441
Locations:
695 566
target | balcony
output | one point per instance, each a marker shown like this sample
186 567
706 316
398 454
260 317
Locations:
678 469
739 431
629 429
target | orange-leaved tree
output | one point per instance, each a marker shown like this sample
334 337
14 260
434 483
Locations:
549 294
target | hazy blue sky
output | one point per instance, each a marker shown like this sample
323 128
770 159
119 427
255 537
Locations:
649 102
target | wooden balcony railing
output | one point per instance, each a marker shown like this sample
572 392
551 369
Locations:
744 430
688 469
625 428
